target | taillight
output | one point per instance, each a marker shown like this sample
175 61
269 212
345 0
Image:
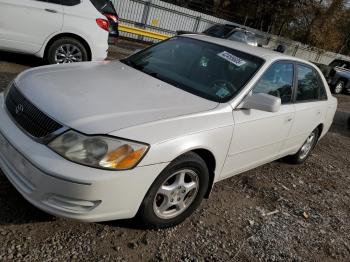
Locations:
103 23
114 18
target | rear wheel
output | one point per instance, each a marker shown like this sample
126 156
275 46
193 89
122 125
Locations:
176 193
305 151
66 50
339 87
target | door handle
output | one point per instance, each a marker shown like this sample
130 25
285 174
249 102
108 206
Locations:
51 11
289 119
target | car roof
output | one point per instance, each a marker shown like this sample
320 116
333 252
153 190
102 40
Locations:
264 53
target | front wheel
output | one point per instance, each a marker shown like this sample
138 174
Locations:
305 150
66 50
176 193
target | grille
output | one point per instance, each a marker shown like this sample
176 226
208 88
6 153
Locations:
28 116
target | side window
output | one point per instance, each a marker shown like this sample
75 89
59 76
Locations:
51 1
323 93
70 2
218 30
277 81
309 87
238 36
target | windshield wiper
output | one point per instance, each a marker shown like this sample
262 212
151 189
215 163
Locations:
133 64
153 74
163 78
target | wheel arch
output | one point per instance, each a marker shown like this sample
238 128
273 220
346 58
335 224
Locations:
72 35
320 128
210 160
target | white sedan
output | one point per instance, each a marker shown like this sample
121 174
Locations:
151 134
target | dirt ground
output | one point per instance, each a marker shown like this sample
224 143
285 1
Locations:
277 212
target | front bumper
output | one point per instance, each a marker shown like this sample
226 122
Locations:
66 189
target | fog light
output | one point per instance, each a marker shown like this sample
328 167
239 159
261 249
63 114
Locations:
71 205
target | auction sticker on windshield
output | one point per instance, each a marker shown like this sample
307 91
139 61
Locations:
232 58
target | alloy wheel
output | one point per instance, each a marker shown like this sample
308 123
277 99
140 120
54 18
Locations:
176 194
68 53
306 148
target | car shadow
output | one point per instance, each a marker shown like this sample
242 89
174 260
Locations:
14 209
20 59
340 129
132 223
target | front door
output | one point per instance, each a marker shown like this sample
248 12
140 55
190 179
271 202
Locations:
259 136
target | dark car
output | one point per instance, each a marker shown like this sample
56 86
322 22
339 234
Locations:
230 32
339 76
106 7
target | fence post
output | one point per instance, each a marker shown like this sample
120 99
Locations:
295 50
144 17
145 13
318 57
196 24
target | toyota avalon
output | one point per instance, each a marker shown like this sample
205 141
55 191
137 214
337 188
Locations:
150 135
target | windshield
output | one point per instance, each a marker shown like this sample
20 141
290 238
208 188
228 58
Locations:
340 63
207 70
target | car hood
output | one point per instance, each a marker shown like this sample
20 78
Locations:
106 96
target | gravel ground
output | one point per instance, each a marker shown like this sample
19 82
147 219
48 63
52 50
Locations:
277 212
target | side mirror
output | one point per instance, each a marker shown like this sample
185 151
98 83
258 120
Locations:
263 102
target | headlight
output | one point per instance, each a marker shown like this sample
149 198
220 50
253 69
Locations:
99 151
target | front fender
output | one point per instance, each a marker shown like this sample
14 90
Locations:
217 141
170 138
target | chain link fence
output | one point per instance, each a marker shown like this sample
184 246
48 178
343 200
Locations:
162 17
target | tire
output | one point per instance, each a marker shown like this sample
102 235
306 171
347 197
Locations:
339 87
153 215
66 50
302 155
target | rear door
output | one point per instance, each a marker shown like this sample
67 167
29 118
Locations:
26 24
311 106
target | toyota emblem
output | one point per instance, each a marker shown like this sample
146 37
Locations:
19 109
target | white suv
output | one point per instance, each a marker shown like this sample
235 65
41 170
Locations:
60 31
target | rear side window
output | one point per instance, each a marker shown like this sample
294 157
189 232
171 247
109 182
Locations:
51 1
62 2
251 37
218 31
238 36
277 81
309 85
104 6
340 63
70 2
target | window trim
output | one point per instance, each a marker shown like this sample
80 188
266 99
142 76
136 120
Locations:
319 81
